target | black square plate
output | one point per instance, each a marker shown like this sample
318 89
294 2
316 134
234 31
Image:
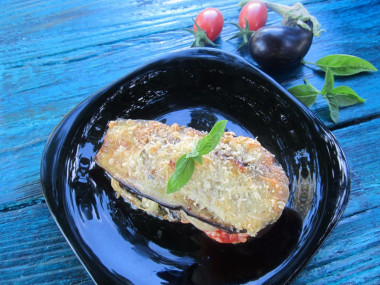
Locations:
193 87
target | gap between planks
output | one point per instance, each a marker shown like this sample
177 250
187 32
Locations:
354 122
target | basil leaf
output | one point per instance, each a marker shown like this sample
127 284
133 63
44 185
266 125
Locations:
209 142
329 82
199 159
305 93
344 64
194 153
309 84
346 96
333 106
184 169
185 165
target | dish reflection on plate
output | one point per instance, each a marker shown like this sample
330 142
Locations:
196 88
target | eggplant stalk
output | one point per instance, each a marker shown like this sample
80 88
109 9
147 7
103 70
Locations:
294 14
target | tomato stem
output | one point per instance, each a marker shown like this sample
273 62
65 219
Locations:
200 37
244 33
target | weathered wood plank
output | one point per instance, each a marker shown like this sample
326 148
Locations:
21 183
34 251
361 146
347 256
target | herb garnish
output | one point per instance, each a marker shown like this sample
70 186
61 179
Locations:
185 165
340 96
343 64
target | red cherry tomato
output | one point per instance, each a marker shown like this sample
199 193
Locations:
223 237
211 21
256 14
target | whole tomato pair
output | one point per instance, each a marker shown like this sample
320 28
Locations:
209 23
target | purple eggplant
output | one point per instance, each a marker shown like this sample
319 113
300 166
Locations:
284 46
280 47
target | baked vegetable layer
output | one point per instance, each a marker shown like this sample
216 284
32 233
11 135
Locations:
239 187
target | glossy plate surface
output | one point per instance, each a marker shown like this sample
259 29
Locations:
193 87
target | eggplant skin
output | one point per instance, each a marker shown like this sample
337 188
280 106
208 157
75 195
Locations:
280 47
239 187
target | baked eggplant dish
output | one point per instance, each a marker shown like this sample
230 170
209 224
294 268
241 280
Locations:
238 190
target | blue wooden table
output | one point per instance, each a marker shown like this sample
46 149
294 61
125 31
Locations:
54 54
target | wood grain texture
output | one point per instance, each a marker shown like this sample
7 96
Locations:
54 54
34 251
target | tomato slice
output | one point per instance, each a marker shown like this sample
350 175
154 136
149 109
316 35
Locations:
223 237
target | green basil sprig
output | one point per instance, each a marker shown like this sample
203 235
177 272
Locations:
343 64
185 165
340 96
